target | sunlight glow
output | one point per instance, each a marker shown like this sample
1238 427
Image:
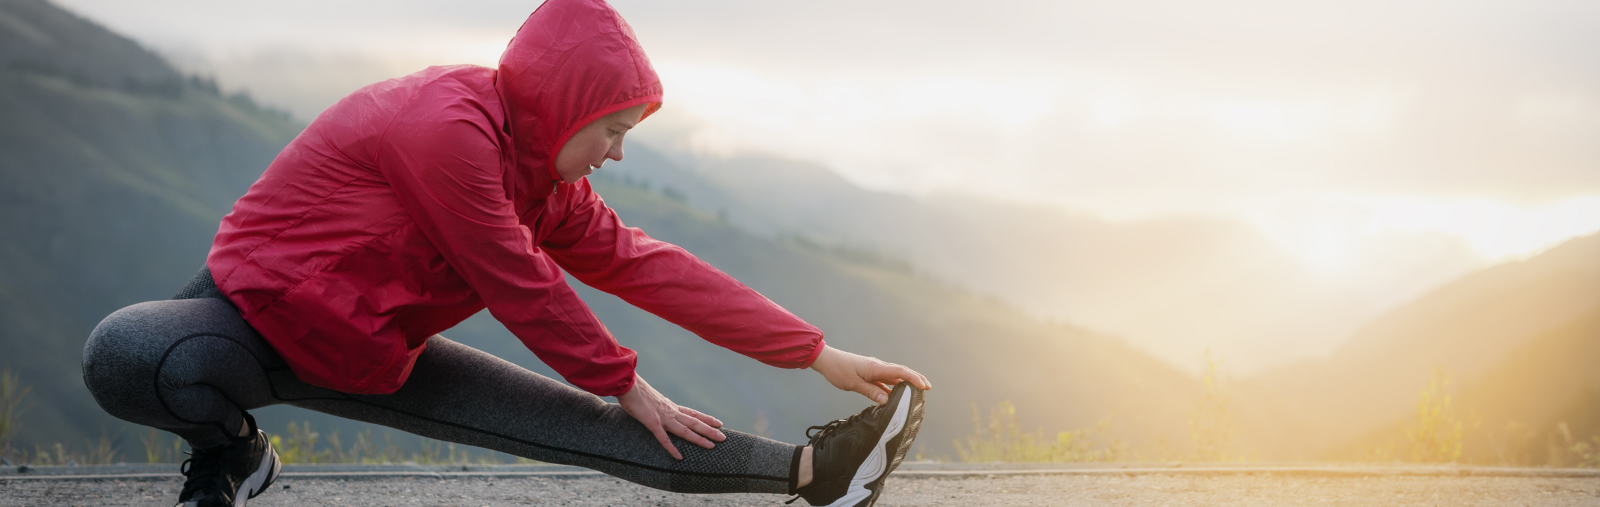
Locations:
922 133
1331 233
1111 112
730 96
1496 230
1273 122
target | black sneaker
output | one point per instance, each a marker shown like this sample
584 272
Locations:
230 474
851 457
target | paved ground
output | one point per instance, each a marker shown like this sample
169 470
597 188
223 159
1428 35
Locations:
1253 486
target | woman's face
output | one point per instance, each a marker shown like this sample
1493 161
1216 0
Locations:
588 149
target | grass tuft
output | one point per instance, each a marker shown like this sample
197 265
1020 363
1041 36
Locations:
1003 440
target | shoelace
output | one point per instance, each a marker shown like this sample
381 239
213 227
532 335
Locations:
824 430
815 440
203 470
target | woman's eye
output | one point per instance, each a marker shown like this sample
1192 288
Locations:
613 132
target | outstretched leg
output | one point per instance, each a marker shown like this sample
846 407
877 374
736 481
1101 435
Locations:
192 366
459 394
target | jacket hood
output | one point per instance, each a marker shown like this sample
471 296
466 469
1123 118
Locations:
572 62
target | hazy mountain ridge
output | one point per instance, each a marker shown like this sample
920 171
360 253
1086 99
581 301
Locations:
111 194
1527 409
1486 322
1339 407
978 351
113 172
1516 407
38 36
1212 283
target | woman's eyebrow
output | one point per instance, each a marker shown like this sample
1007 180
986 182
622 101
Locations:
626 125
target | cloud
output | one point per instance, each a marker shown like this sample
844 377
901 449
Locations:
1127 109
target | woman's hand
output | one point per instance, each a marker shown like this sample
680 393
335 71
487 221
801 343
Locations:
866 375
662 416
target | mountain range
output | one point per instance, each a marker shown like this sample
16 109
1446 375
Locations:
1175 286
1517 341
115 169
114 181
1512 339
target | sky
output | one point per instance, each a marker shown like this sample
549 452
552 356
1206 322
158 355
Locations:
1367 117
1335 127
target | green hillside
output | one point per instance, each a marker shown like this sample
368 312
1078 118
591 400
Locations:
39 36
115 170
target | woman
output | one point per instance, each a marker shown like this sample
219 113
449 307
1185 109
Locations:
419 201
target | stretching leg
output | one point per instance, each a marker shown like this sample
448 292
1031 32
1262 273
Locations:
185 366
192 366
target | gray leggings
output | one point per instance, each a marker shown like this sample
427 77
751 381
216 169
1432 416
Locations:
191 366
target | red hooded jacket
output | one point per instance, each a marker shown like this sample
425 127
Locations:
416 202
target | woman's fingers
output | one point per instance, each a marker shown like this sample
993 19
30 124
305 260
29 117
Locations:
701 428
888 386
685 427
688 432
890 371
702 416
661 436
866 376
872 391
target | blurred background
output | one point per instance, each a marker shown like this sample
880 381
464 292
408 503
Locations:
1146 230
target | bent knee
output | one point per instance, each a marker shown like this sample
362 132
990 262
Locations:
125 338
123 353
117 357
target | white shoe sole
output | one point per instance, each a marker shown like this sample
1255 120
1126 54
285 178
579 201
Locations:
266 472
877 463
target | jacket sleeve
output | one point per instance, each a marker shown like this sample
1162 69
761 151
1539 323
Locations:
594 246
447 176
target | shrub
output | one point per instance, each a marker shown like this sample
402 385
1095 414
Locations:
1435 432
1211 425
12 405
1003 440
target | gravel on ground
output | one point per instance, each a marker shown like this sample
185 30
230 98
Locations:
1251 489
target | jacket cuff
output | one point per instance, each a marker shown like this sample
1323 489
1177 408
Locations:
617 387
627 385
815 351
